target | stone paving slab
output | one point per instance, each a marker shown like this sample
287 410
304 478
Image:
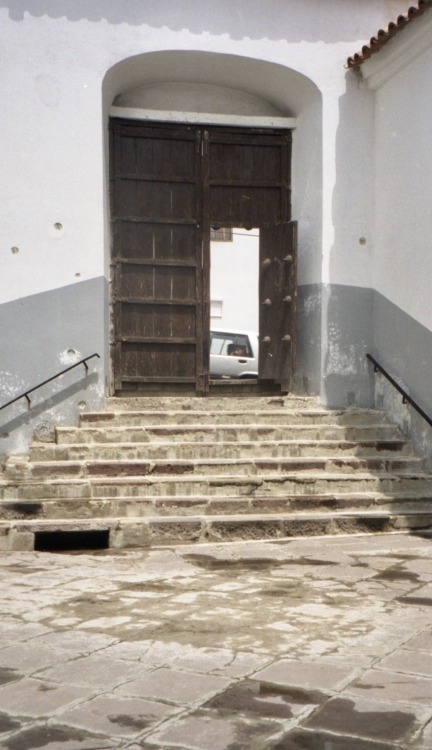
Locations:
393 686
311 644
117 716
37 698
204 731
175 686
369 719
59 738
91 670
306 674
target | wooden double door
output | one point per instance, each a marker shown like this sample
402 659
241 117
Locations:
168 185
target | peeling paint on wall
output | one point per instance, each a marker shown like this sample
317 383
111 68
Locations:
312 304
11 385
70 356
342 361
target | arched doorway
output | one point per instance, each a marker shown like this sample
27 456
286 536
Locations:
173 178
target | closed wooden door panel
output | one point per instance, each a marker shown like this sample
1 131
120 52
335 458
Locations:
155 207
249 178
144 362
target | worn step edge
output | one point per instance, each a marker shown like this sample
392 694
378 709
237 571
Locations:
263 486
158 433
144 507
179 417
401 496
138 532
302 477
378 447
229 414
147 403
115 520
220 466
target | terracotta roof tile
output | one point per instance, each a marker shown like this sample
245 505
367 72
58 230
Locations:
384 35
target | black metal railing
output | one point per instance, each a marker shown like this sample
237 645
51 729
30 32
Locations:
406 398
49 380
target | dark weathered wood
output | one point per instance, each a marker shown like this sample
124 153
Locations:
143 379
156 262
248 183
168 185
204 374
285 166
154 301
158 220
150 178
277 294
158 340
155 220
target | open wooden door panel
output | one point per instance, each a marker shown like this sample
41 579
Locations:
277 293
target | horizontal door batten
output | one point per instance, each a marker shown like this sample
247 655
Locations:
156 302
154 262
157 340
155 379
157 220
155 178
249 183
238 139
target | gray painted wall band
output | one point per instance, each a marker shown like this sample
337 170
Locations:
404 348
308 345
334 333
347 330
336 325
39 336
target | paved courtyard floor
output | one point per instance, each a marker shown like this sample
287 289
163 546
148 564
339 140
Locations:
312 644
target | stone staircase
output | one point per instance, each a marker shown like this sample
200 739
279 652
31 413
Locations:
154 471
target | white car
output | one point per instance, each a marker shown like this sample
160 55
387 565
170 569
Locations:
233 354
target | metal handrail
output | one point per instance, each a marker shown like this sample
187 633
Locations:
44 382
406 398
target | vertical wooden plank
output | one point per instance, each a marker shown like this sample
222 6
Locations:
205 264
202 283
277 302
286 179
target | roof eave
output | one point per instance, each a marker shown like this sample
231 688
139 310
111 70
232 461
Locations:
383 36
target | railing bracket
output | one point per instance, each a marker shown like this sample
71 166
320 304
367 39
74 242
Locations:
406 398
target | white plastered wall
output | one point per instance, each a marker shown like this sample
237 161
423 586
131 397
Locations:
402 267
63 63
399 77
54 60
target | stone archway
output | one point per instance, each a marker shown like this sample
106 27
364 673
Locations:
216 88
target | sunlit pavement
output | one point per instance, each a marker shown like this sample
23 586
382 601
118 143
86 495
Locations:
310 644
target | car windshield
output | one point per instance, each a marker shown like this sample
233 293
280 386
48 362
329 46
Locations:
236 345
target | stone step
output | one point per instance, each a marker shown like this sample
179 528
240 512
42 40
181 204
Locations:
300 483
16 469
273 416
224 433
168 470
139 532
143 506
212 403
218 449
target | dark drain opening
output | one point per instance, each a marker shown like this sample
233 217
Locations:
61 541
